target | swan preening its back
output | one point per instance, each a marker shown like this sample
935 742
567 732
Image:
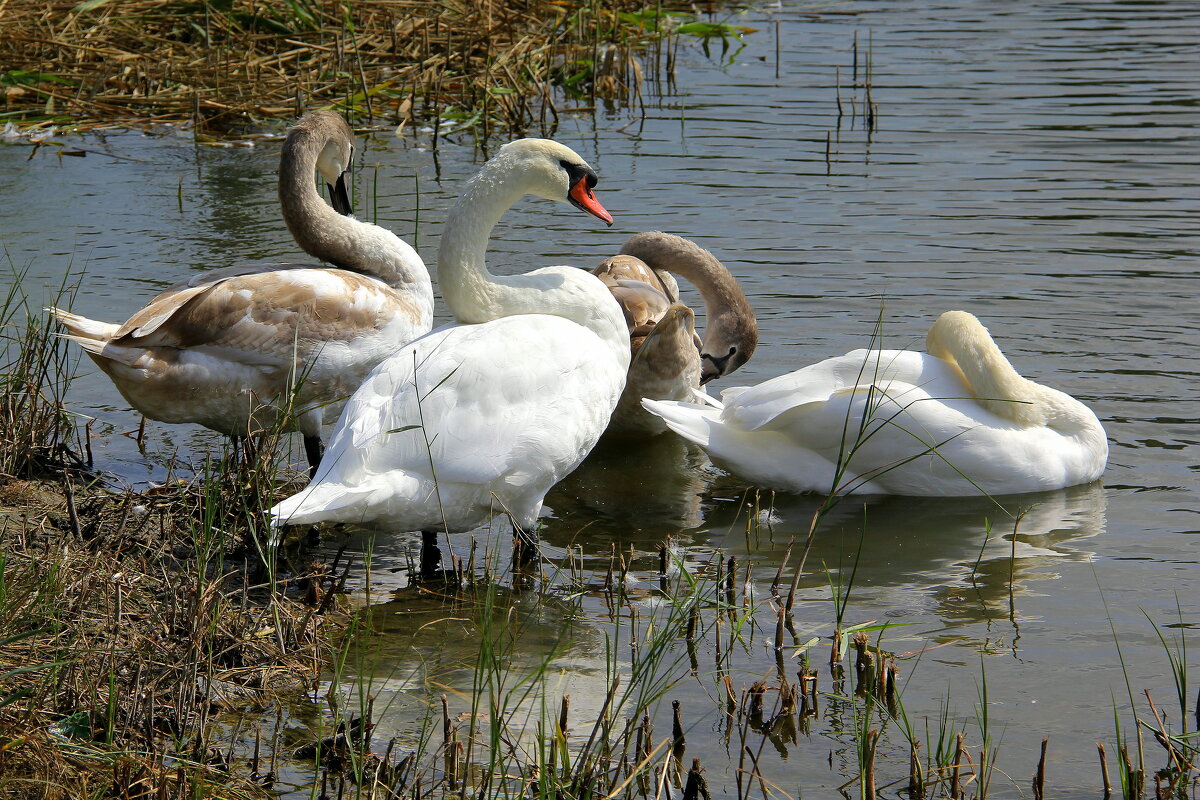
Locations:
669 360
958 420
225 348
481 417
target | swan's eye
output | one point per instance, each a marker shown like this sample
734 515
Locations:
732 350
578 172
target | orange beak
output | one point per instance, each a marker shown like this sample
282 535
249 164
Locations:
581 195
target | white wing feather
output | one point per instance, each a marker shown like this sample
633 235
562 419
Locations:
450 406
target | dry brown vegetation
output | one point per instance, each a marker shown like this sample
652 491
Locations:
136 626
131 627
229 63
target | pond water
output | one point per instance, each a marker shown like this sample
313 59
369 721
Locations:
1036 164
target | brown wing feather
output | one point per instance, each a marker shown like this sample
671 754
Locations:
261 312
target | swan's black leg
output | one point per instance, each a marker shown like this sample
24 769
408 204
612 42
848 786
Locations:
235 449
431 555
314 448
525 547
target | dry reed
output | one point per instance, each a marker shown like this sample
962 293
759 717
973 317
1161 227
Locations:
230 64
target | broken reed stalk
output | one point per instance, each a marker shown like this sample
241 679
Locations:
955 788
663 559
787 554
731 583
677 737
1104 769
916 775
869 773
1039 778
696 786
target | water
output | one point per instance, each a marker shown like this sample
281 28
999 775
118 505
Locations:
1036 164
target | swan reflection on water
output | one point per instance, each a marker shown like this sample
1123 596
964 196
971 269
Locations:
955 553
951 548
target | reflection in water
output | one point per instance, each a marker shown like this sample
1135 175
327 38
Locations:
629 491
930 544
429 643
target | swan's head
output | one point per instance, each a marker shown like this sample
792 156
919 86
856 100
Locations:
336 154
555 172
729 341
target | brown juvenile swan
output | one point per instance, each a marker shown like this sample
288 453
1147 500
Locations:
669 361
225 348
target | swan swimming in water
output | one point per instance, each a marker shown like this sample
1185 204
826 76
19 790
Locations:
225 348
669 360
958 420
483 416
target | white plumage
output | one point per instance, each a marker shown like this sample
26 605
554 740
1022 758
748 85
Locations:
956 421
472 420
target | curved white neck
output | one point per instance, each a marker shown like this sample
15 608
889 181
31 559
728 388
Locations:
342 240
474 295
961 339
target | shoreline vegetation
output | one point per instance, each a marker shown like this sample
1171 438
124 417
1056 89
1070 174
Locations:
232 66
156 644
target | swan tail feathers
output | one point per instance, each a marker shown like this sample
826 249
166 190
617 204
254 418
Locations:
320 502
704 398
91 334
691 421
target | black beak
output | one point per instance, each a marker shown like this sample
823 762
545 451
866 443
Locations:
339 197
712 367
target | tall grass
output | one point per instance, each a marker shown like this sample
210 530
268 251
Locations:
129 622
40 436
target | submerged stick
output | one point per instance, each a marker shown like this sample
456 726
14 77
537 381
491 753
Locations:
1039 778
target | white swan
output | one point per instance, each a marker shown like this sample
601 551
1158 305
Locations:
224 348
669 360
956 421
478 419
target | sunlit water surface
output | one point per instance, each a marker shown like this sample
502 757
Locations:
1036 164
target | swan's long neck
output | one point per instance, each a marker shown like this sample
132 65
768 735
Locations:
472 293
342 240
722 296
960 338
475 295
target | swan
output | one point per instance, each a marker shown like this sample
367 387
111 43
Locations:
955 421
225 348
484 415
668 360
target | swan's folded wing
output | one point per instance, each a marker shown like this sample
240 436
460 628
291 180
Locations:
260 316
760 406
451 406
